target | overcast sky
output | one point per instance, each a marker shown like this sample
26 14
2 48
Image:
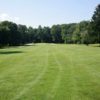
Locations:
46 12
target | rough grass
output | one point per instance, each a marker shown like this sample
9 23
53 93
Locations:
50 72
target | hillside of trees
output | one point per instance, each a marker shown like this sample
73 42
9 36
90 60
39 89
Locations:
85 32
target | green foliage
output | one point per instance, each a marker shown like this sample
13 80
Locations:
13 34
9 34
95 25
85 32
67 32
56 34
81 35
76 35
47 37
40 34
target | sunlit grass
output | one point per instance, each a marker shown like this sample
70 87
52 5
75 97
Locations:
50 72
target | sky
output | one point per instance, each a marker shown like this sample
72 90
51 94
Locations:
46 12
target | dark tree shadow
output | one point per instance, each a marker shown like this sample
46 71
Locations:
96 46
10 52
3 47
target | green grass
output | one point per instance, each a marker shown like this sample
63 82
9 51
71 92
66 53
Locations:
50 72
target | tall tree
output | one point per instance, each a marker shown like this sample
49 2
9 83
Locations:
95 23
47 37
31 35
76 35
22 29
8 33
40 34
56 33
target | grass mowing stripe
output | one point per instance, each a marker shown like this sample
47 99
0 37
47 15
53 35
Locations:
12 64
79 78
32 83
70 65
46 83
92 82
74 95
56 83
16 68
86 78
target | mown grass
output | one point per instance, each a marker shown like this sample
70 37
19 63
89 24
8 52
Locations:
50 72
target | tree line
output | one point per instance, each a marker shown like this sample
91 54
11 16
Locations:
85 32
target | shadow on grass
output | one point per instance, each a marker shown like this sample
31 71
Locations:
3 47
96 46
10 52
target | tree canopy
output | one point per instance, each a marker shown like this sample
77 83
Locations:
85 32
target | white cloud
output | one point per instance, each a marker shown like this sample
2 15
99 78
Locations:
16 18
5 16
